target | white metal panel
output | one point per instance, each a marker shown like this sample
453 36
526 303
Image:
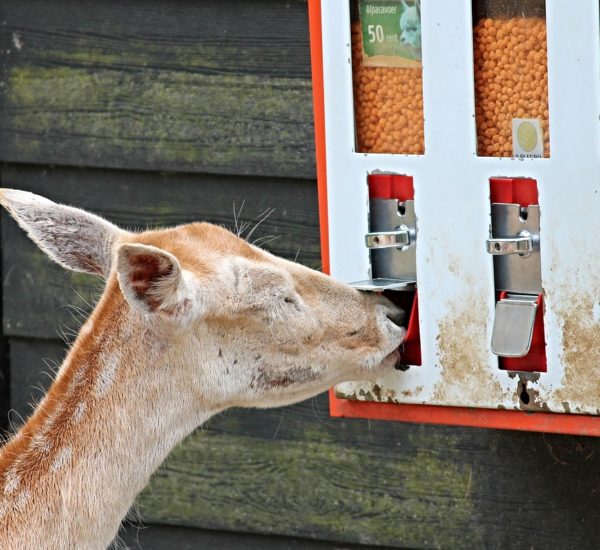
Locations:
455 275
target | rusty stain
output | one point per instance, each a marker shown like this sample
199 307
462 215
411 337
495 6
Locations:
454 267
463 358
580 356
412 393
532 402
524 376
376 392
370 391
343 395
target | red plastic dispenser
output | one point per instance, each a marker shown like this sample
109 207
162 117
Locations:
518 333
392 241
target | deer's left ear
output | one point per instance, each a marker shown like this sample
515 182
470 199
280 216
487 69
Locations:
72 237
152 280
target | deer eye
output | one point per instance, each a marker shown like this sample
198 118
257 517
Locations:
293 301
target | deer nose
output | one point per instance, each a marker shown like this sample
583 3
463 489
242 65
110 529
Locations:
393 312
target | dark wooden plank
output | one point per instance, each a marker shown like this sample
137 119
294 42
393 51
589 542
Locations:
167 537
4 378
437 489
4 385
296 472
36 291
218 86
33 365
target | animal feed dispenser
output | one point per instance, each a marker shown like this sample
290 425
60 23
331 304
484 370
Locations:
458 161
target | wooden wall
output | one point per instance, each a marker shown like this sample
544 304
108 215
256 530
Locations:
159 112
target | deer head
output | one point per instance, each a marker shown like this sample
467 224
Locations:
246 328
192 320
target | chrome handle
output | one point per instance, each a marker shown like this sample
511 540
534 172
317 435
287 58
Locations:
388 239
522 244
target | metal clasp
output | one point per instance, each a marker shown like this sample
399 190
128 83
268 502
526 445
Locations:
388 239
522 245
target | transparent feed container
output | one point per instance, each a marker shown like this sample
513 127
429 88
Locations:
387 76
511 78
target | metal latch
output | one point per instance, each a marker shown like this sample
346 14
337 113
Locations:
514 243
522 244
388 239
392 243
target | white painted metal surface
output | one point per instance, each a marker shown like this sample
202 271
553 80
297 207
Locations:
455 278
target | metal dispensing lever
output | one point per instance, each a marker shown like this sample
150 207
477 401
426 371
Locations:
515 244
391 242
513 325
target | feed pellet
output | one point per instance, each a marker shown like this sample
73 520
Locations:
511 80
388 104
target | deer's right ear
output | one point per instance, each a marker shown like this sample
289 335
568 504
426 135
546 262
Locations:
152 280
72 237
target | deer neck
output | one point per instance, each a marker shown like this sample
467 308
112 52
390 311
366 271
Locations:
72 472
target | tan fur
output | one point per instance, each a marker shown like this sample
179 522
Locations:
193 320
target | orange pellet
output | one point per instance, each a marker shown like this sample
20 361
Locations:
388 104
511 80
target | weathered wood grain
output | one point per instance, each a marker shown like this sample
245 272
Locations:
34 363
296 472
438 488
167 537
4 387
38 294
219 86
4 373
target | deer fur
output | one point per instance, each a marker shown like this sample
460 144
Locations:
193 320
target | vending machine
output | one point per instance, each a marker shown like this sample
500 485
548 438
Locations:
458 159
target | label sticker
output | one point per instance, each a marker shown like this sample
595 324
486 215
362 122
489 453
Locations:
528 138
391 33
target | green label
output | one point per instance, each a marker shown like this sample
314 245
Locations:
391 32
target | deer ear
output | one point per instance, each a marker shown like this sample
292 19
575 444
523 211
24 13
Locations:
72 237
152 279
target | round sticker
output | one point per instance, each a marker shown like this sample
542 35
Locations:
527 136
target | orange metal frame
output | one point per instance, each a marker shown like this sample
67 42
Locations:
427 414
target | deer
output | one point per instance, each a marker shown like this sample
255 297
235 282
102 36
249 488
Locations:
192 320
